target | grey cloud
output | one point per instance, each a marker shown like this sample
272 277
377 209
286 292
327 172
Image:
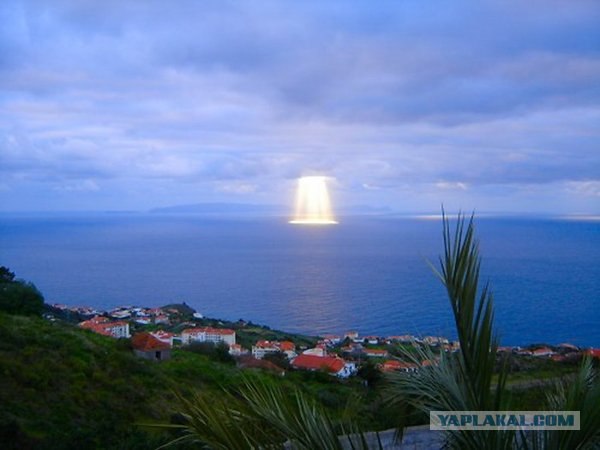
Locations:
245 96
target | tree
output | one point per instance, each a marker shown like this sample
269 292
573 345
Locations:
19 296
6 276
463 382
278 358
369 372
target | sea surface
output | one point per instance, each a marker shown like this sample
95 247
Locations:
367 274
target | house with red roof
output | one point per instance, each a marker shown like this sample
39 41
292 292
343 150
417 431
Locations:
208 334
263 347
104 326
332 365
146 346
394 365
236 350
163 336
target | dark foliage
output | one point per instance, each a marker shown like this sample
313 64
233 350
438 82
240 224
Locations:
18 296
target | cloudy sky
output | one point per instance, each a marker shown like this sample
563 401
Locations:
114 105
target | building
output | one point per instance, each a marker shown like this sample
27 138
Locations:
316 351
236 350
332 365
435 340
376 353
352 335
120 314
403 339
161 318
262 348
208 334
332 339
104 326
543 351
393 365
146 346
163 336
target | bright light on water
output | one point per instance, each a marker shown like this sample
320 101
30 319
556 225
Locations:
313 206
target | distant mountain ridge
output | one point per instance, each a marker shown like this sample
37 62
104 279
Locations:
223 209
249 209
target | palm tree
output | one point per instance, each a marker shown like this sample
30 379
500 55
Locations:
464 381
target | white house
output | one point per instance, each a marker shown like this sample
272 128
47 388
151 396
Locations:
102 325
208 334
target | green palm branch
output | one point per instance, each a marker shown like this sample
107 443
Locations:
261 415
582 393
464 381
461 381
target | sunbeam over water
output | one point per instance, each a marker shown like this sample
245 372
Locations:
313 205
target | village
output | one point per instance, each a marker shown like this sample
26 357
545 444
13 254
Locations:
155 332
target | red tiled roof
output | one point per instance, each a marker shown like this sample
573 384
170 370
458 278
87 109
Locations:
95 327
287 346
284 346
593 352
101 325
313 362
145 342
393 364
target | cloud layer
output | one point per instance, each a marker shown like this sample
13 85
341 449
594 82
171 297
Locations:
130 105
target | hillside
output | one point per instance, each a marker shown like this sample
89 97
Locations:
67 388
63 387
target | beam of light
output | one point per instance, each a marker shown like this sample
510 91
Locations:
313 206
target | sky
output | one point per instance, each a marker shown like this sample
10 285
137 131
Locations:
404 105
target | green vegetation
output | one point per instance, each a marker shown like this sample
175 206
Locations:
67 388
62 387
18 296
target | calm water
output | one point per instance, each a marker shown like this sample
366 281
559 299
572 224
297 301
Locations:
364 274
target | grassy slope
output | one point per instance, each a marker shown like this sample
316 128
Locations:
63 387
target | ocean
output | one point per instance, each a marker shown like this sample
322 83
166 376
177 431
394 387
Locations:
369 274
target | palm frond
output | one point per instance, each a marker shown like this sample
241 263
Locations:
262 415
580 393
462 381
